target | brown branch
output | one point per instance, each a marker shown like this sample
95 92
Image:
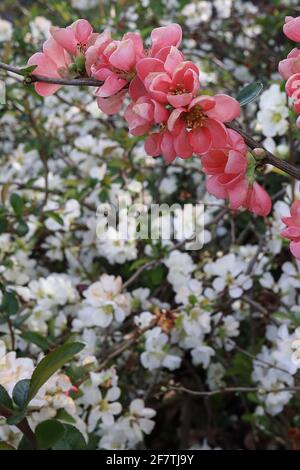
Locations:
225 390
268 158
23 426
32 78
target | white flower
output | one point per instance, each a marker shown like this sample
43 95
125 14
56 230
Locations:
202 355
6 30
13 369
104 303
106 408
274 112
157 353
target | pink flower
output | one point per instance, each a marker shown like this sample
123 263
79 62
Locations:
142 114
199 127
53 62
292 232
292 28
76 37
292 88
114 63
258 200
228 179
165 37
291 65
230 160
171 80
161 143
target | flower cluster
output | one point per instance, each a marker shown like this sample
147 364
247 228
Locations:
289 68
167 104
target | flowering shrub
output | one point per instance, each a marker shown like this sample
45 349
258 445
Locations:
113 341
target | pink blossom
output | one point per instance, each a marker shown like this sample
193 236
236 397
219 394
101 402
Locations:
292 28
142 114
291 65
258 200
293 90
292 232
170 81
165 37
161 143
114 63
75 38
53 62
200 127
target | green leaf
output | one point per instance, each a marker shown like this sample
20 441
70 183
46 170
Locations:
20 393
22 228
48 433
62 415
50 364
37 339
56 217
17 204
16 418
25 71
5 399
5 446
250 93
10 304
72 439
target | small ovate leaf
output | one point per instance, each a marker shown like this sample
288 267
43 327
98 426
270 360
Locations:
37 339
48 433
26 71
10 304
250 93
50 364
5 399
17 204
16 418
20 393
56 217
22 228
5 446
71 440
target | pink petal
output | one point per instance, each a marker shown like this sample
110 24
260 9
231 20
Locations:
259 201
136 89
177 101
113 104
65 38
173 59
293 85
292 28
213 163
173 121
182 146
137 41
218 132
226 108
83 30
291 232
214 188
46 89
170 35
111 86
152 144
167 147
123 58
205 102
200 140
295 249
238 194
236 163
146 66
161 114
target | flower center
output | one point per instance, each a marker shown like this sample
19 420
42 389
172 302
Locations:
195 118
177 90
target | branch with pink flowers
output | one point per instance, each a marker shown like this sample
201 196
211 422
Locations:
167 106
